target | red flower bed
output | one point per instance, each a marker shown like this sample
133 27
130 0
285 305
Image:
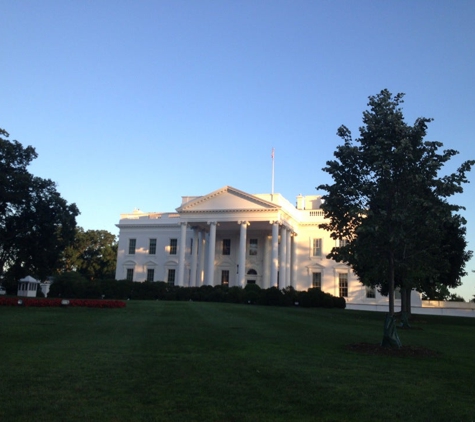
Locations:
46 303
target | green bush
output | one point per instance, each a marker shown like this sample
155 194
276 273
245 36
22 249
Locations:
339 302
271 297
234 295
71 285
252 294
74 285
290 296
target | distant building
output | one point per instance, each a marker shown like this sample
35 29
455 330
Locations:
234 238
28 287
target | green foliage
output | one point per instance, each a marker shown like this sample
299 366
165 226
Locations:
252 293
389 202
69 285
271 297
93 253
316 298
36 223
234 295
455 298
291 296
75 285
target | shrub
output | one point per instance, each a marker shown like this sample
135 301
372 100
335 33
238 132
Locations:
289 296
271 297
70 284
73 285
235 295
252 294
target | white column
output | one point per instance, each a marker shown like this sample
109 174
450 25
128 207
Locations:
283 255
288 259
242 253
274 254
293 277
209 276
266 264
181 255
201 260
194 258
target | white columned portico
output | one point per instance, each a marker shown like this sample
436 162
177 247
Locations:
274 254
194 258
283 257
181 254
209 276
242 253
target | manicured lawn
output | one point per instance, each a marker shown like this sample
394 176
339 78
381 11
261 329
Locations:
190 361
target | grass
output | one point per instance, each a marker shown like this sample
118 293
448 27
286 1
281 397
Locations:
190 361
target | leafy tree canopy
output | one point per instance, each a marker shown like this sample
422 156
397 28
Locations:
36 223
93 254
390 202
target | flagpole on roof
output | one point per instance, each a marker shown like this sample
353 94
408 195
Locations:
272 155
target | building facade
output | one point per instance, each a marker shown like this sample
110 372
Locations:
234 238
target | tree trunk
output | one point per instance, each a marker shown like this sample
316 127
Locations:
408 303
390 337
405 307
391 284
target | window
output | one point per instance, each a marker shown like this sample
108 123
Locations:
317 247
150 274
343 282
253 247
370 292
130 274
251 276
152 247
225 277
342 243
173 246
132 243
317 280
226 246
191 246
171 276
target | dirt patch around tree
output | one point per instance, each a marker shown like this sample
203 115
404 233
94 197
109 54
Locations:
404 351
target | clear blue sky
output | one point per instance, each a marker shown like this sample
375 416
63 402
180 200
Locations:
132 104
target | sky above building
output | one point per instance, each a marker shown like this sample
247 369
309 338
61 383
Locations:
133 104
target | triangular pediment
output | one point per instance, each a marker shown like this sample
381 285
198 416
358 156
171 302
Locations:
227 199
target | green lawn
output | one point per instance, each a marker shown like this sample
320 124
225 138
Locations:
190 361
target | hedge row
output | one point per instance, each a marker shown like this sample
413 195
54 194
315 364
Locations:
73 287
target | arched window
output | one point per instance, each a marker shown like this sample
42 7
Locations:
251 276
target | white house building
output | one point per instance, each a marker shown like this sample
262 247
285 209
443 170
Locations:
234 238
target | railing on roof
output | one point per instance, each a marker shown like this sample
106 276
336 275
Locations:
135 216
316 213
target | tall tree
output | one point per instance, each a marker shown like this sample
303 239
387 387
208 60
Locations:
92 254
389 201
36 223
